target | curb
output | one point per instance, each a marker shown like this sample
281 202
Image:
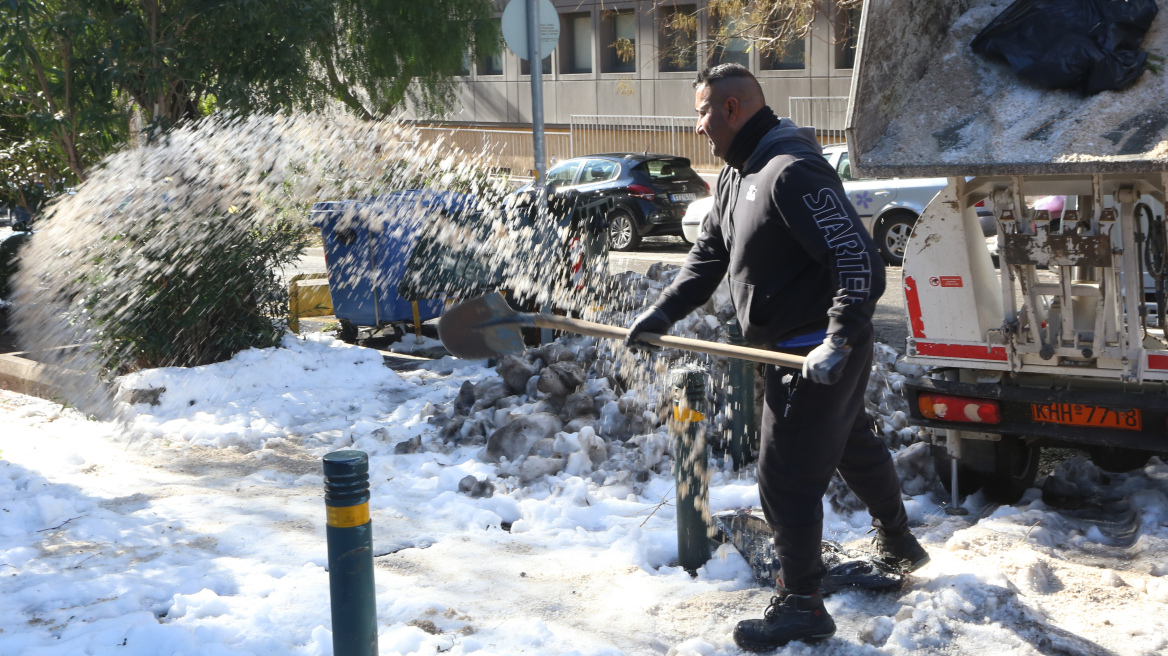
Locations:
19 373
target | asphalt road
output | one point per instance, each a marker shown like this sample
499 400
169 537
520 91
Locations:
889 320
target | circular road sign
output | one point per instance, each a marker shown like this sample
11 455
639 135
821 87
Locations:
515 27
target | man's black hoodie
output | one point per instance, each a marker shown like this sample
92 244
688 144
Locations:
797 256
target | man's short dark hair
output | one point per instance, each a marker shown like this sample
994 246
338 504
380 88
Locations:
712 74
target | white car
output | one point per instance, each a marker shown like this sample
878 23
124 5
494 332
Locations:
889 208
691 223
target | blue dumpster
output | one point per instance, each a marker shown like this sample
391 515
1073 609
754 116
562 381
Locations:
367 244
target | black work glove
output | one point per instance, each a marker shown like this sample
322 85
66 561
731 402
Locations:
652 320
825 365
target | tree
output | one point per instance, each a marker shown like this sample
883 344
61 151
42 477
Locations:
179 59
768 26
372 53
55 99
71 70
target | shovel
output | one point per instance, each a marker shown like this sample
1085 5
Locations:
486 327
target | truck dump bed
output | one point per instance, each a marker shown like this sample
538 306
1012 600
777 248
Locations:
923 104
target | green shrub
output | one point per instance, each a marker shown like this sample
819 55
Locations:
185 293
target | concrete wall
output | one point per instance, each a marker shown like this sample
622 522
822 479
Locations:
506 98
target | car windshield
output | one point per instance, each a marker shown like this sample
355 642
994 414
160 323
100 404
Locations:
844 167
676 168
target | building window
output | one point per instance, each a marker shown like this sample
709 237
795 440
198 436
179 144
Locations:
619 41
464 66
847 29
790 56
731 49
525 66
575 43
492 64
677 39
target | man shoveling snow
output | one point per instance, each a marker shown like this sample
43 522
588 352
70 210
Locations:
803 273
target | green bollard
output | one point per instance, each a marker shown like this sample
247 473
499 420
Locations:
740 403
350 553
690 470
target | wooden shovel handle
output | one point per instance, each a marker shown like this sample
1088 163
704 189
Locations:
684 343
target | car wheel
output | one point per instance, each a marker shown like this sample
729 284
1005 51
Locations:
622 232
892 236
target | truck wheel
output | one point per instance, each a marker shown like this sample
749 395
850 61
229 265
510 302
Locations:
1015 468
968 481
892 236
348 332
622 231
1118 460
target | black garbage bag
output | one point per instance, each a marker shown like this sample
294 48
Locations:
1089 45
754 539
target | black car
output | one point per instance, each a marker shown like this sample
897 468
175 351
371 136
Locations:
650 191
10 242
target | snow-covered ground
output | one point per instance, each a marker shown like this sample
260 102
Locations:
197 527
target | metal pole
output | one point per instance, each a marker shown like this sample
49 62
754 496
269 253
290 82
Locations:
690 470
535 61
740 402
953 449
350 553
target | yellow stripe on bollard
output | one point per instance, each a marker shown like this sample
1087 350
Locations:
347 516
688 414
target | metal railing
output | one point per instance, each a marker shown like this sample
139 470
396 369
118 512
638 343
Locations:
827 114
510 151
670 135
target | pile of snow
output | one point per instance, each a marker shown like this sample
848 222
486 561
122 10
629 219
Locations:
318 388
969 109
523 507
173 547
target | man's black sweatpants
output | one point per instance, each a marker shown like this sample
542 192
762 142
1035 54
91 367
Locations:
808 432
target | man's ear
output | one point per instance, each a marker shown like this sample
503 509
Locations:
732 109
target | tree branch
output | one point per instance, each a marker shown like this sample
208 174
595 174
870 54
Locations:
339 88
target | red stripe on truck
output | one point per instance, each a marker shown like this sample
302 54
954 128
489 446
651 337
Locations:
1157 361
962 351
914 307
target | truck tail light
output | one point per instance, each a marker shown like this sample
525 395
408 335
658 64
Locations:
641 191
958 408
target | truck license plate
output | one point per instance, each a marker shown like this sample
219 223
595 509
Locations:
1075 414
680 198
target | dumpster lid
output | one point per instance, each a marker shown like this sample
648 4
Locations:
383 209
939 109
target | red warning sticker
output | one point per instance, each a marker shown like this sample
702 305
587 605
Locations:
950 281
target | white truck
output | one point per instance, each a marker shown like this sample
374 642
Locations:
1062 346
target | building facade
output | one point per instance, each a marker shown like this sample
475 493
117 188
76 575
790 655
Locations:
611 60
